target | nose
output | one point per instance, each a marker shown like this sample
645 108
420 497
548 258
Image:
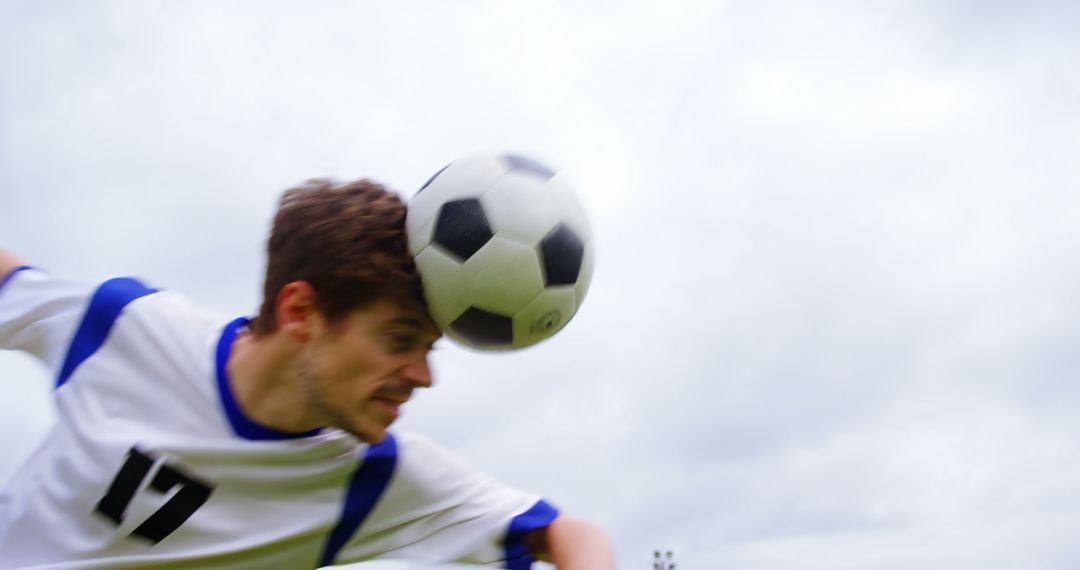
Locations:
418 372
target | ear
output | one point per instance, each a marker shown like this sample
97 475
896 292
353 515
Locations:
297 311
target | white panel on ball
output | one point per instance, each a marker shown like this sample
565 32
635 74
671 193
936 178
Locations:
445 287
520 208
420 236
569 206
503 276
544 316
581 288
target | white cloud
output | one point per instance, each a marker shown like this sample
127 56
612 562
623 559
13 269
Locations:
832 322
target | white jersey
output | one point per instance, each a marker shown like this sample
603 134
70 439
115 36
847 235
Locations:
153 464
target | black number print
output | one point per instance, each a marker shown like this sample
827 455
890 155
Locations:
191 495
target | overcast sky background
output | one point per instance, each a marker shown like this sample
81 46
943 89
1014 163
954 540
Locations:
833 323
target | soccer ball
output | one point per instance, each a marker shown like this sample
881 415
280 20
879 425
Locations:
503 247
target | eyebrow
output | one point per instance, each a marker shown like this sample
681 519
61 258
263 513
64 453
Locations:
416 324
407 321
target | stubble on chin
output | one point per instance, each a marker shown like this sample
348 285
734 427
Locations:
319 401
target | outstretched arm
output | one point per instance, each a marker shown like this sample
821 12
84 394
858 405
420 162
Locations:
38 312
573 544
8 263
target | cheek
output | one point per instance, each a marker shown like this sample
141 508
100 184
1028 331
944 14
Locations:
331 358
324 371
344 371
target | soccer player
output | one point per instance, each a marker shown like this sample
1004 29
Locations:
186 441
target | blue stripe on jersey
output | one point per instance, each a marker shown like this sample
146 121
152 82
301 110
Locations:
241 424
367 485
518 556
6 278
105 307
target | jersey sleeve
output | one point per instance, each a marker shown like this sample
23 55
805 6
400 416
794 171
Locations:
39 313
438 509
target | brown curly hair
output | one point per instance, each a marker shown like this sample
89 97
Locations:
348 241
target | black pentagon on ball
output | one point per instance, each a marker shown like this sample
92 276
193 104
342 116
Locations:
562 251
484 329
517 162
462 228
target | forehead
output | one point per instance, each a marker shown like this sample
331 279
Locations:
388 312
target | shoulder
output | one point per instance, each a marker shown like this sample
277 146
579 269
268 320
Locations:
139 301
415 448
142 309
428 471
128 316
39 313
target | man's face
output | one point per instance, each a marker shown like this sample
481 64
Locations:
360 371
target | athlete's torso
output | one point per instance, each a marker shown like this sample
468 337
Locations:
152 464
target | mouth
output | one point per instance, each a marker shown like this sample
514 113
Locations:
391 406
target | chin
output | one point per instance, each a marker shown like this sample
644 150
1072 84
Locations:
372 436
373 439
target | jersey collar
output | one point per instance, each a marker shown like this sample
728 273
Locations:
242 425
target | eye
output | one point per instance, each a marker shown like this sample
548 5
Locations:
401 341
409 339
398 342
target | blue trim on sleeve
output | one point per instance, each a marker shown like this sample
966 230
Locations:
540 515
241 424
105 307
6 278
367 485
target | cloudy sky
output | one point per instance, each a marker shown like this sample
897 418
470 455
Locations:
834 320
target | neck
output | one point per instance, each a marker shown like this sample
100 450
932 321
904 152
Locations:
266 384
